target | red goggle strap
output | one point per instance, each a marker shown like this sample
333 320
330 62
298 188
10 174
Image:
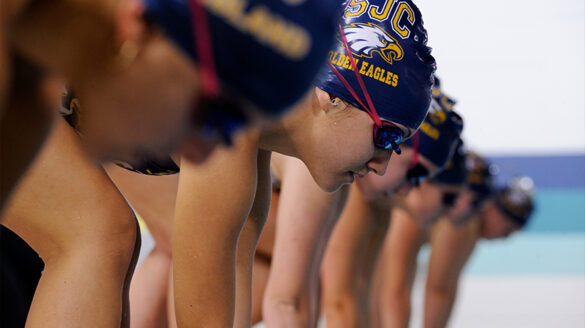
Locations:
346 84
371 109
210 86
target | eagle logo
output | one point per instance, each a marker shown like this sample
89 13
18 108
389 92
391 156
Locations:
365 39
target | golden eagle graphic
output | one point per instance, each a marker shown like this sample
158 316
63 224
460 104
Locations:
365 39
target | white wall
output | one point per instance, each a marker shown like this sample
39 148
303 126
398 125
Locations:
517 69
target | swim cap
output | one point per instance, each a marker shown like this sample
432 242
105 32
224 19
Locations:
515 200
388 42
266 52
480 175
445 101
439 134
455 172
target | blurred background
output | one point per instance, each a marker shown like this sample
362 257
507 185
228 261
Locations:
517 71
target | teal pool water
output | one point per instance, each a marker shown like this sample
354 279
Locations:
558 210
552 244
530 254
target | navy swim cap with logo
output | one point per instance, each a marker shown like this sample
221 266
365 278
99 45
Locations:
455 172
439 134
515 200
480 177
266 52
388 42
445 101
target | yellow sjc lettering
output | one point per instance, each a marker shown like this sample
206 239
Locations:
370 71
285 37
445 103
340 60
430 131
365 69
350 66
438 117
364 66
230 10
381 16
388 78
346 63
377 73
356 8
382 78
403 8
332 57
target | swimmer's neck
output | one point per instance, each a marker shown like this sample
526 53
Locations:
287 135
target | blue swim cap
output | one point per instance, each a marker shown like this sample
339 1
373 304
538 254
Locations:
439 134
455 172
515 200
266 52
388 42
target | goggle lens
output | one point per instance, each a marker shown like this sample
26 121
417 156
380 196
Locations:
417 173
449 198
388 136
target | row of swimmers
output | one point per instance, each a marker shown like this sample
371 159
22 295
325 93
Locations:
163 86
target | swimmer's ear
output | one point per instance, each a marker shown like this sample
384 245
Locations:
329 103
130 28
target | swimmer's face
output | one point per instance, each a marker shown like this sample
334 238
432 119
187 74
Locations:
143 98
156 106
342 146
375 187
145 107
495 223
464 207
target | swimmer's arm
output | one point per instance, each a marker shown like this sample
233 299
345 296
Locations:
347 268
213 202
305 217
451 248
402 244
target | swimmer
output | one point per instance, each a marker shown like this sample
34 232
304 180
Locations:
336 135
347 270
452 245
66 207
407 232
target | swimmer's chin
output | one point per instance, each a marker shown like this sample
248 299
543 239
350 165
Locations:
333 186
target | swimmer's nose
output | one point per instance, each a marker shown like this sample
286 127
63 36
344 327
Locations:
379 161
